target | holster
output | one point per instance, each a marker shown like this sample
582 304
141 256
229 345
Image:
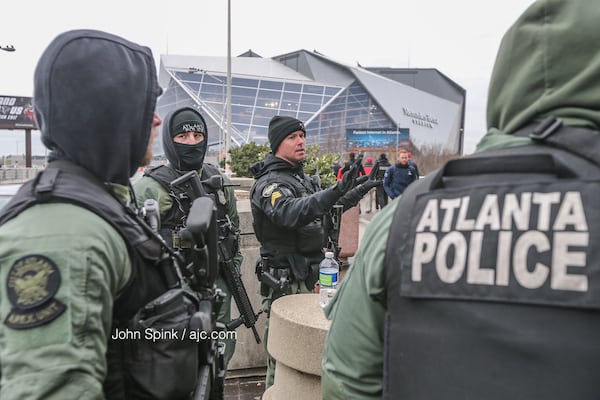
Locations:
276 279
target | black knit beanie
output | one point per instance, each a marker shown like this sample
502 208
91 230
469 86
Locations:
280 127
187 120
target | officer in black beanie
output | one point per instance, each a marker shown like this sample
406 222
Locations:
292 217
184 139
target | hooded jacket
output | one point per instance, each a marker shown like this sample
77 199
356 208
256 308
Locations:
94 99
547 64
98 114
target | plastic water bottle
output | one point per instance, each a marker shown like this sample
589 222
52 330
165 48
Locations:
329 271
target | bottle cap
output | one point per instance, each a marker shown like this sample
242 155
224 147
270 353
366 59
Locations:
328 254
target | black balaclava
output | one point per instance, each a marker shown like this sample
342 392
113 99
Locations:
94 100
184 157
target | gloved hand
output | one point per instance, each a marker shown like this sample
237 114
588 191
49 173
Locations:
352 198
374 171
348 180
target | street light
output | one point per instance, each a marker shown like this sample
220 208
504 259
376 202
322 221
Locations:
8 48
193 70
228 132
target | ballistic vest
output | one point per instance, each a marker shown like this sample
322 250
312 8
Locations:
63 182
177 215
276 240
493 279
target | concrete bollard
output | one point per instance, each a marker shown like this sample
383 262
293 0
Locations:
297 332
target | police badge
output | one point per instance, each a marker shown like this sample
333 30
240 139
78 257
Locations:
32 283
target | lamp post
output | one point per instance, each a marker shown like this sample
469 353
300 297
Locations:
193 70
223 111
9 48
228 131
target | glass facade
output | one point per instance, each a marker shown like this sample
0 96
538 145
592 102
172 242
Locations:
326 110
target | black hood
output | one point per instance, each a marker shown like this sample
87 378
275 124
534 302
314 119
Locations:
273 163
94 100
174 153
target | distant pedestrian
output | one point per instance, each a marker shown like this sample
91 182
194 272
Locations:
348 164
381 197
398 177
366 204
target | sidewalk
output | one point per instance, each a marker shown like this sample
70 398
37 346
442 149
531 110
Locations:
245 384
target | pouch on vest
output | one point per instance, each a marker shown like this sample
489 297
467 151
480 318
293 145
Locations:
163 355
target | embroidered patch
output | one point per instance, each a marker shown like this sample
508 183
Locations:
274 197
31 285
268 190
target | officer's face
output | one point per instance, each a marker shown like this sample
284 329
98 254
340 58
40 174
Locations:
189 137
156 121
293 148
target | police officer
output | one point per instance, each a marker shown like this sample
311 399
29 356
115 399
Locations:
185 140
485 270
291 214
74 260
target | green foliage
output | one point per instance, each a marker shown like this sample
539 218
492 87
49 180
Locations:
246 155
320 164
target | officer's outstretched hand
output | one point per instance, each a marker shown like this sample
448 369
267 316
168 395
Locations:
348 180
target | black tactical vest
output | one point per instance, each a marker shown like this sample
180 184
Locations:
276 240
182 203
127 377
63 182
493 280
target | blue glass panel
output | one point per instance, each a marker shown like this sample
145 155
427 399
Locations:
331 91
292 87
244 82
313 89
311 98
271 85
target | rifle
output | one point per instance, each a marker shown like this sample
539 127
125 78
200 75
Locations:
334 233
201 229
191 183
200 275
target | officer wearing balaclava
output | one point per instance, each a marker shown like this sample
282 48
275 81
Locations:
185 142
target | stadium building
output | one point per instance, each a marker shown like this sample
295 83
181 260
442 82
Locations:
345 108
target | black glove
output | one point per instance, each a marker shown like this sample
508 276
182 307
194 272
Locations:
349 178
352 198
374 171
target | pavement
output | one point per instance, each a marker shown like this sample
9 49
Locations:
246 384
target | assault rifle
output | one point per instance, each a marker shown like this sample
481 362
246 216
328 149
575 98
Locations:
199 270
194 187
201 228
334 233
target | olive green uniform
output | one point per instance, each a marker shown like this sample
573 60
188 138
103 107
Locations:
547 65
63 358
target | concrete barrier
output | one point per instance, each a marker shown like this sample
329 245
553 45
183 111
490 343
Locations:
16 175
297 334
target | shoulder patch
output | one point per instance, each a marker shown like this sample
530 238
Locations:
274 197
31 284
269 189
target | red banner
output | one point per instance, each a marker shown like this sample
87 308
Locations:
16 113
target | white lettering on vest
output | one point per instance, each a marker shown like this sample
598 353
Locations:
524 227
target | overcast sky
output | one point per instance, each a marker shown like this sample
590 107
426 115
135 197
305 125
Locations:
459 37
